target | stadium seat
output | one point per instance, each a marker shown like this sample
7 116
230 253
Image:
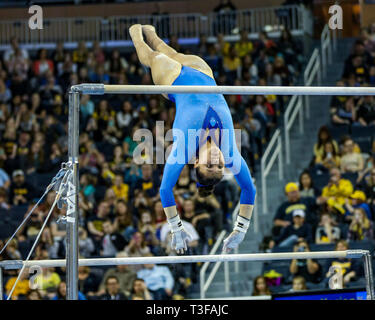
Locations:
338 131
17 213
6 230
360 131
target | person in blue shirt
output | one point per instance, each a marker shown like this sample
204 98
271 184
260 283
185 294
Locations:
158 279
203 134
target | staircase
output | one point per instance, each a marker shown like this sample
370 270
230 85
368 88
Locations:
241 283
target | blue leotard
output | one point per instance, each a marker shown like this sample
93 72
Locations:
195 112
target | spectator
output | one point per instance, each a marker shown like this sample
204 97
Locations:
336 192
295 232
85 244
140 290
34 295
120 188
361 227
306 185
260 287
112 242
48 279
366 111
309 269
299 284
4 179
351 161
358 200
284 217
43 65
327 231
61 292
123 220
95 223
148 183
329 159
158 279
349 268
137 247
244 46
112 291
345 114
124 275
20 191
22 288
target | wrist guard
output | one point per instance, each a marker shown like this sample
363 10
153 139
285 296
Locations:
241 224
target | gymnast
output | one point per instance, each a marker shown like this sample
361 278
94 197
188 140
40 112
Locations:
214 147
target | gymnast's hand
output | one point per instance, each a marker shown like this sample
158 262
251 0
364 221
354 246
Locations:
232 241
237 235
180 237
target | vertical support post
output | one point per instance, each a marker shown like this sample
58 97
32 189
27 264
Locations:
281 168
368 276
72 211
300 106
1 284
226 276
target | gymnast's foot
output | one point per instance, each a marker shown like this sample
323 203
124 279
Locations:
135 31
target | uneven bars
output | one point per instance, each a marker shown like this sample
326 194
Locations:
100 89
17 264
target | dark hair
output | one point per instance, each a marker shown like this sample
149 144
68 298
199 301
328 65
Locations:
255 289
111 277
329 136
300 179
207 183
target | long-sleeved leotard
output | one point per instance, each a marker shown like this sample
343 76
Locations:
195 112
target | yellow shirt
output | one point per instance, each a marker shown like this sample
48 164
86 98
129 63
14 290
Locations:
52 281
231 64
122 191
243 48
22 287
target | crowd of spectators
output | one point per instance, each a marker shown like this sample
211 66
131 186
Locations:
333 201
120 209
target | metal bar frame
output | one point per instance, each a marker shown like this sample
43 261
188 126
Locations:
352 254
100 89
72 215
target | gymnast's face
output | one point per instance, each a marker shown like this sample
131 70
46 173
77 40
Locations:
210 160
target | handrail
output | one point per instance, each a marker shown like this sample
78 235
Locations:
312 71
294 107
326 48
265 169
203 284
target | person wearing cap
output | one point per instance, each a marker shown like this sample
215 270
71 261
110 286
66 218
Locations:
358 200
284 217
297 231
20 192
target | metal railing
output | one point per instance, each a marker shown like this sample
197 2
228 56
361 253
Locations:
204 285
294 107
326 48
188 25
312 71
266 168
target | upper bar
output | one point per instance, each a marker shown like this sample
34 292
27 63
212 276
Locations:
99 88
17 264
